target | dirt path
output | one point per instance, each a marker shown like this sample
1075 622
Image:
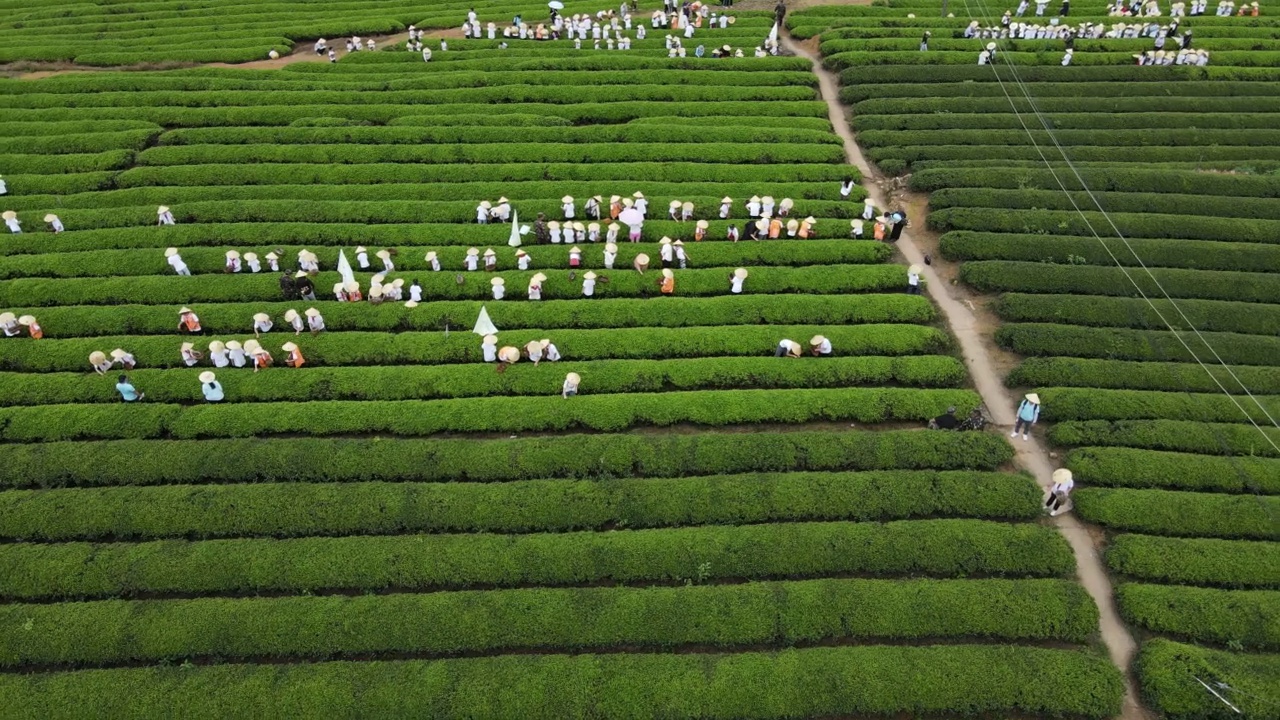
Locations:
1031 456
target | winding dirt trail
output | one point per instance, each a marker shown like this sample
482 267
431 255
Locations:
1031 455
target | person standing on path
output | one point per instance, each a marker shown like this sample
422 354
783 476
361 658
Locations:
1063 484
1027 415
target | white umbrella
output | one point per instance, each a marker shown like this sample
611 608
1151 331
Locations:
555 5
631 216
515 229
344 268
484 326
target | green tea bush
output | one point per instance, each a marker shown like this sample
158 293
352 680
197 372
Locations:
1126 467
1161 512
1168 670
1196 561
1175 435
1244 618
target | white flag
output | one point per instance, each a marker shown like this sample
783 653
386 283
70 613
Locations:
484 326
344 268
515 229
773 35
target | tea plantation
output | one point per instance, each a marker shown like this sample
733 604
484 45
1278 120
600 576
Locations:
1124 218
398 528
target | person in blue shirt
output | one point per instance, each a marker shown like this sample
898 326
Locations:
1028 414
210 386
127 391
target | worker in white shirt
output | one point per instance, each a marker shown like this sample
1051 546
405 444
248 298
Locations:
163 216
736 280
175 260
292 317
190 356
126 359
484 208
415 291
787 348
218 354
550 352
362 257
499 287
233 261
251 259
98 360
55 224
588 284
315 321
610 255
533 350
641 202
434 260
566 204
535 286
501 211
489 347
570 387
522 260
819 346
472 260
726 206
262 323
236 352
387 265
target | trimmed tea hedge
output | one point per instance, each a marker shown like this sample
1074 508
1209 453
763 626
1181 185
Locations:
1095 404
1125 467
1196 561
1176 435
1160 512
1168 671
1122 374
1045 339
1249 618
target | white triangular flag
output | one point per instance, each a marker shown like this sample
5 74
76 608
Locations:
515 229
484 326
344 268
773 35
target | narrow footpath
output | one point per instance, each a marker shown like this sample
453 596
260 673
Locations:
1031 456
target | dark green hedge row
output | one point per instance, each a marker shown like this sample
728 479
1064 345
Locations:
76 182
41 129
1067 121
1101 143
90 142
99 263
1249 618
1205 315
1196 561
1045 339
941 548
1079 103
1001 275
868 680
1127 467
1121 374
986 87
1242 154
1140 180
1167 203
449 174
1062 404
1149 225
358 348
300 510
164 290
477 380
1174 435
1185 514
1168 671
62 164
229 318
568 619
136 462
579 113
603 413
1193 254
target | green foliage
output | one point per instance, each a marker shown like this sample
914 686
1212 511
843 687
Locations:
1126 467
1095 404
1168 671
869 680
1160 512
1244 618
1115 343
1196 561
1175 435
136 462
1204 315
999 276
1184 377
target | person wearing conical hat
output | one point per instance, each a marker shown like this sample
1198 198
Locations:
775 227
393 291
499 287
868 209
819 346
588 284
806 227
533 350
235 351
726 206
4 189
489 348
682 260
385 256
856 228
292 317
881 228
293 358
535 286
784 207
611 235
667 285
33 328
502 211
482 212
753 206
628 203
98 360
308 261
175 261
640 263
575 257
163 216
913 280
550 352
340 292
1027 415
301 285
433 260
593 232
787 348
642 203
554 232
509 355
592 208
1063 484
190 356
188 321
570 386
273 261
55 223
315 321
251 260
766 206
579 233
259 355
686 211
218 354
736 280
793 226
566 205
262 323
615 206
362 257
376 296
522 260
666 254
490 260
210 387
471 261
124 358
674 209
11 219
610 255
128 392
700 230
233 262
352 291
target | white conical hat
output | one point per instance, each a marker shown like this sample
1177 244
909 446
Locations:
1061 475
207 377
